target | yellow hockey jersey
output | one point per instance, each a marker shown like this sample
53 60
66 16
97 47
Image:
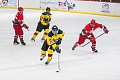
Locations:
51 37
45 18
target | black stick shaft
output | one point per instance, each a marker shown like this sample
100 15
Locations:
95 38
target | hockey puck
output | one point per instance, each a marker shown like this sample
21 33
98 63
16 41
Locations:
57 71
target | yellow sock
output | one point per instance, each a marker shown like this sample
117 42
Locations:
35 34
45 33
50 53
43 52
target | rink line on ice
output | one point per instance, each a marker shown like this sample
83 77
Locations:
20 67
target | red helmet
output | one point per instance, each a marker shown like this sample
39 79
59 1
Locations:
93 22
20 9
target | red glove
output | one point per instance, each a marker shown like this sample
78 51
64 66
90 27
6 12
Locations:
105 30
25 26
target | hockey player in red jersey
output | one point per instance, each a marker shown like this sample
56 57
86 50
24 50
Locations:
18 24
87 34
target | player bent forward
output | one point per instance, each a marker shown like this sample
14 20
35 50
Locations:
87 34
53 40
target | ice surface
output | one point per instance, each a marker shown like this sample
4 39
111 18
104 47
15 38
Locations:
22 62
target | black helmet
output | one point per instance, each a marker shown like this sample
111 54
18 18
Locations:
48 8
54 28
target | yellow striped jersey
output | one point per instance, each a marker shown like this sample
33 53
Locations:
45 18
51 37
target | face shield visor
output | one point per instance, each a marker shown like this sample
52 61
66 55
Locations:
55 32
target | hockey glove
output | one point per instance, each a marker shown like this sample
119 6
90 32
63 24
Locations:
58 50
25 26
52 42
105 30
59 41
16 22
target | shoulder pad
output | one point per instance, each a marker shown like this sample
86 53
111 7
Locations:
44 13
50 34
60 31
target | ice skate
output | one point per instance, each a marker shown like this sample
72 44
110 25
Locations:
23 43
32 39
76 44
93 49
47 62
73 47
15 42
42 39
42 57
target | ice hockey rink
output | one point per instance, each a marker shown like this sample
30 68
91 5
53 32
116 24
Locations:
19 62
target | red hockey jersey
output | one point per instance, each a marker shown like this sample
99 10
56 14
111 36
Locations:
89 29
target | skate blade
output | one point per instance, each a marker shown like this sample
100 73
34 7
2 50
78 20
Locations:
15 44
32 40
42 40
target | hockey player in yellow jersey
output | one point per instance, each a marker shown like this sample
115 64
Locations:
44 23
51 44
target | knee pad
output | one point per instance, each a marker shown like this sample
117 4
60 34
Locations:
50 51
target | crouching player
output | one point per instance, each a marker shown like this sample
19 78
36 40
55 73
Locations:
51 44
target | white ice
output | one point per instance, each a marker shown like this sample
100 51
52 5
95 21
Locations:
19 62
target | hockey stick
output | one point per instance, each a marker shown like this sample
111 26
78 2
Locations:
95 38
28 29
58 62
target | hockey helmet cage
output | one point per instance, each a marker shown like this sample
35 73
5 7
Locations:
54 28
20 9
